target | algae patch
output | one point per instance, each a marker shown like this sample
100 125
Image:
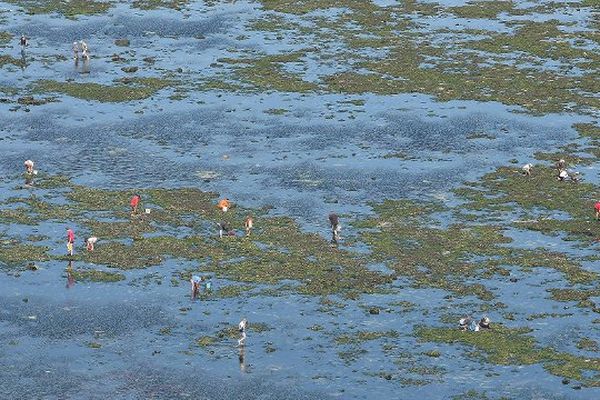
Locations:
505 346
137 89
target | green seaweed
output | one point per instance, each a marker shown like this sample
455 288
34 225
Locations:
206 341
5 37
505 346
363 336
483 9
155 4
6 60
69 9
467 69
93 275
266 73
15 254
130 90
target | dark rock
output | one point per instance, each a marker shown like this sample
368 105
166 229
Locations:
129 69
122 42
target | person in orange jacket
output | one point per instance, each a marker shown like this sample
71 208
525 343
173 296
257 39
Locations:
224 204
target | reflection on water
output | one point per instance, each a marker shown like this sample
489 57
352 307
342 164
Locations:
242 358
70 277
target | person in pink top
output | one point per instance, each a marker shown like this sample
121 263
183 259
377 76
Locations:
70 241
134 203
597 208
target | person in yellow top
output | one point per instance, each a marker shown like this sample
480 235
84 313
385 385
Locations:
224 204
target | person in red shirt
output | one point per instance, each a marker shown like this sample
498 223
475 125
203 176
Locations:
135 202
70 277
597 208
70 241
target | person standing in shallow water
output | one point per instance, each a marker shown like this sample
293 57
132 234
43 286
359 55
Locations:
76 51
23 42
336 228
70 241
134 203
29 172
85 55
242 326
195 281
28 164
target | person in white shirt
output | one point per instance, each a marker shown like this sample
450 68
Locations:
90 242
84 50
563 175
243 325
75 51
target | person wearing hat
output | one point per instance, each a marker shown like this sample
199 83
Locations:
75 51
85 55
70 241
28 164
242 326
90 242
485 323
463 323
224 205
560 165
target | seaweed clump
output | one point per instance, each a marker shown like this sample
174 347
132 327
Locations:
506 346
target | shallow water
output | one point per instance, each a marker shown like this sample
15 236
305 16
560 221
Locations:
324 154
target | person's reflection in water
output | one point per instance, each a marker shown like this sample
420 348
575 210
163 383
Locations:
28 180
242 358
70 278
23 60
86 66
